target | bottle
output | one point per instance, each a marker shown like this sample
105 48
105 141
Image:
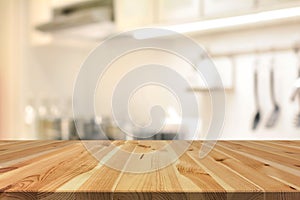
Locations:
68 129
42 121
54 120
30 119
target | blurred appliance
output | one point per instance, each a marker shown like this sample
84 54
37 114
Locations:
90 18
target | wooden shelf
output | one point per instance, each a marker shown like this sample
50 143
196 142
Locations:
234 169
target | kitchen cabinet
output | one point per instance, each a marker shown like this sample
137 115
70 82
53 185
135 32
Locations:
137 13
270 3
38 12
176 11
216 8
232 170
59 3
133 13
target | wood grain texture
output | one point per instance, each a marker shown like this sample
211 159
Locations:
66 170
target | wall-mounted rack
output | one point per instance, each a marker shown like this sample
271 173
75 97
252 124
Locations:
253 51
295 48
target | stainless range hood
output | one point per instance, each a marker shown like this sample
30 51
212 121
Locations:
91 19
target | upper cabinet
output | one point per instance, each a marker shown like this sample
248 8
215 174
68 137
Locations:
176 11
59 3
213 8
38 12
137 13
133 13
272 3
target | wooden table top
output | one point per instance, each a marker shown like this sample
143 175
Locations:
232 170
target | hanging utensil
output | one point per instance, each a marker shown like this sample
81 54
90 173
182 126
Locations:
296 93
297 117
276 109
257 116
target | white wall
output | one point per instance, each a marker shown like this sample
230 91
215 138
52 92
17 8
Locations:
240 103
51 70
240 109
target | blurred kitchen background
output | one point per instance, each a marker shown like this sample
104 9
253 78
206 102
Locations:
253 43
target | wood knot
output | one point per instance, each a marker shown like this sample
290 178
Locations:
144 146
220 159
292 188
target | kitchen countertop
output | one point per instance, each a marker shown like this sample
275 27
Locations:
233 170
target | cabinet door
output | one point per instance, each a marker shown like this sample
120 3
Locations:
60 3
133 13
272 3
39 12
173 11
215 8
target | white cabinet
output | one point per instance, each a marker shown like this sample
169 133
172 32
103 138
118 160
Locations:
174 11
268 3
137 13
38 12
215 8
60 3
133 13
